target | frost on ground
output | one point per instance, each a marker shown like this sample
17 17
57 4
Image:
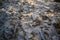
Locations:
21 20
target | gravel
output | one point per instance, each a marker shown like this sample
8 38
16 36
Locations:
20 20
